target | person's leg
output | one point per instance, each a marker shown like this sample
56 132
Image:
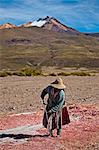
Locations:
59 123
50 125
58 131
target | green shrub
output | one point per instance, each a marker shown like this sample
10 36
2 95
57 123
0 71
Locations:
31 72
74 74
19 73
80 74
37 72
63 74
3 74
9 73
52 74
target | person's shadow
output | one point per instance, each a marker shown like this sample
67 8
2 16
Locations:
22 136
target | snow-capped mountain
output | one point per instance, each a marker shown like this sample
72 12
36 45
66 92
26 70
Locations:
37 23
34 23
50 23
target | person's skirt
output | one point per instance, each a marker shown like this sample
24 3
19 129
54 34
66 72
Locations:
63 118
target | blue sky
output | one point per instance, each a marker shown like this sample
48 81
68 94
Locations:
82 15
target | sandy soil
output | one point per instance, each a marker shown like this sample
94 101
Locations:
22 94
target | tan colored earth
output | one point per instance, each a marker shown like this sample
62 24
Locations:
22 94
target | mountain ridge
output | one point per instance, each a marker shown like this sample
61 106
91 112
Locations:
49 23
7 26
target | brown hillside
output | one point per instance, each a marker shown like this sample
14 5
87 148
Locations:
40 47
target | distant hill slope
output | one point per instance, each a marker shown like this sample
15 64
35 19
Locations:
40 47
7 25
93 34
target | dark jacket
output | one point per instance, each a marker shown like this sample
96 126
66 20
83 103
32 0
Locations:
54 103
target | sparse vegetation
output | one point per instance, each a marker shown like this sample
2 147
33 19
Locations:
28 71
63 74
52 74
74 74
5 73
19 73
31 72
80 74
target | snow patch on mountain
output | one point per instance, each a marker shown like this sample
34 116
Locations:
39 23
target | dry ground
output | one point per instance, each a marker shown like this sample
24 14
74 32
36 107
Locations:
25 131
22 94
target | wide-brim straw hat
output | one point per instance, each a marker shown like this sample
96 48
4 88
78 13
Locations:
58 84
